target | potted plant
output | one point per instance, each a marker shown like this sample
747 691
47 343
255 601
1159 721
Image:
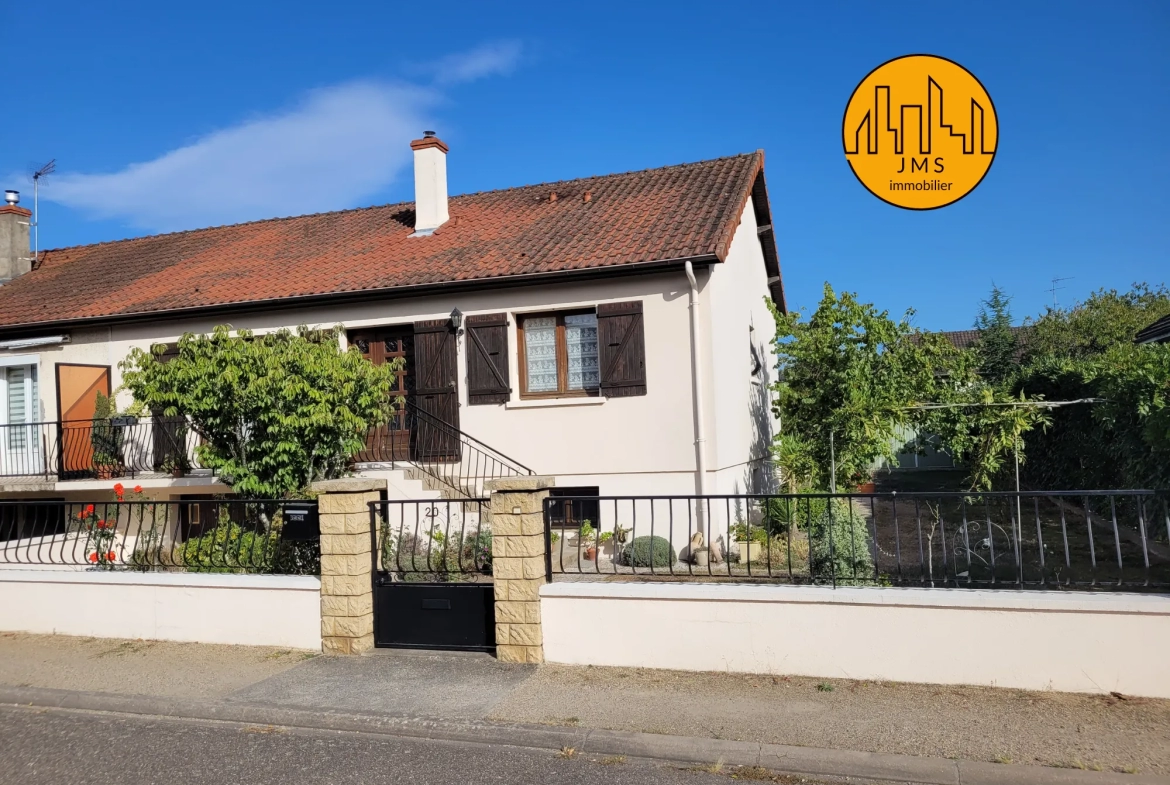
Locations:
751 541
621 535
606 541
586 541
107 437
176 465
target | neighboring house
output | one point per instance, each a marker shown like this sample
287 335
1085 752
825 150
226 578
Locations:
1158 332
548 326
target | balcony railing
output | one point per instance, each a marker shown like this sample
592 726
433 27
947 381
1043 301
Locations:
98 449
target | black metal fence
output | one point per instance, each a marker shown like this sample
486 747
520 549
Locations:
102 449
1065 539
458 462
440 540
213 535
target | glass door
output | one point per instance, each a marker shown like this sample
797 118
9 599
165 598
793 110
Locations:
20 450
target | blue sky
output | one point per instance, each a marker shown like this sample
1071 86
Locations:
167 116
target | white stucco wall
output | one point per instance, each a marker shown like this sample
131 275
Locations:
632 445
250 610
1074 642
740 422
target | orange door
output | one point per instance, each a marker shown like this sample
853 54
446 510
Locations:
77 389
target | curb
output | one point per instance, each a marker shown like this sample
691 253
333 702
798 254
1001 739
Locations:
677 749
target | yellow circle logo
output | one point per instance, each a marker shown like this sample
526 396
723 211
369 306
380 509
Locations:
920 132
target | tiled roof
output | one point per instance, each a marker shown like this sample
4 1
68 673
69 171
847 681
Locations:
965 339
1158 332
683 211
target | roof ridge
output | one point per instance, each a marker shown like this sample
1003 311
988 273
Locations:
275 219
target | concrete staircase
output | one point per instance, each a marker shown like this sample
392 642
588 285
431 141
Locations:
405 483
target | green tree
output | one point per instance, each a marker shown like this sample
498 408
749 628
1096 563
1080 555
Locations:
851 372
1118 438
997 343
275 411
1107 319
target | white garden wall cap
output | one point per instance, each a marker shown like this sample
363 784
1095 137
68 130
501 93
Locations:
349 485
310 583
534 482
978 599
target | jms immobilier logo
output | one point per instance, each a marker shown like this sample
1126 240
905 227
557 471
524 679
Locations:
920 132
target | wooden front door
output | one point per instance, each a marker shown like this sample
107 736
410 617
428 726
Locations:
436 436
77 389
391 441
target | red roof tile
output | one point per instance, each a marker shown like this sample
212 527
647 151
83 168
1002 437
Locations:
684 211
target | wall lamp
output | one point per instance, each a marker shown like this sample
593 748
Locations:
456 320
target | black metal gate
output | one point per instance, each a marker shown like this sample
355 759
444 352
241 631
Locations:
433 574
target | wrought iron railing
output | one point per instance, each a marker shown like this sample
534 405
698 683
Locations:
101 449
1054 539
442 540
213 535
458 462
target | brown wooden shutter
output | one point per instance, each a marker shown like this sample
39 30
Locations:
436 391
621 348
487 359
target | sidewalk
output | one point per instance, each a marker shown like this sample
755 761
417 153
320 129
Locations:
916 731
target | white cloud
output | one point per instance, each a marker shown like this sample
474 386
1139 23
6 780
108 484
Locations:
339 146
494 59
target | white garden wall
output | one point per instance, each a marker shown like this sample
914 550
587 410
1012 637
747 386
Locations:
1030 640
251 610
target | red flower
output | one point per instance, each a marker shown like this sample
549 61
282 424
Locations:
138 489
89 509
119 488
110 556
93 557
101 524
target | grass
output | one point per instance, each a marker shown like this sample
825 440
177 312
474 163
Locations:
567 752
708 768
824 686
613 760
1005 759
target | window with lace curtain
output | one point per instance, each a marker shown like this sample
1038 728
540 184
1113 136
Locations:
558 355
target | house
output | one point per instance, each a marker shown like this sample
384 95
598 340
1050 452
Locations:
612 331
1158 332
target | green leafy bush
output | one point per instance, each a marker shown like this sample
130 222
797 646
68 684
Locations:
840 546
231 548
651 551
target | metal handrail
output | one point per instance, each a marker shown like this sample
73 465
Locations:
514 464
459 462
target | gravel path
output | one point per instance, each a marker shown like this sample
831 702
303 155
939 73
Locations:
974 723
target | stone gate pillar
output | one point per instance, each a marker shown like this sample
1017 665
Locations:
518 564
347 594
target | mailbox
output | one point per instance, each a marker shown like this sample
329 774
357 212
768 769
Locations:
300 521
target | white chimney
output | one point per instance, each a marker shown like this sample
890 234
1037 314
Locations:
430 184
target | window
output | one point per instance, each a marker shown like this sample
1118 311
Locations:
19 406
571 513
558 355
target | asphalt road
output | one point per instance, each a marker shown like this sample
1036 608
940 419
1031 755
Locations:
56 746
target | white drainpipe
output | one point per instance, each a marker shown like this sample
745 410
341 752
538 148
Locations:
697 387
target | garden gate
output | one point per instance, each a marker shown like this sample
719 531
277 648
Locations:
433 574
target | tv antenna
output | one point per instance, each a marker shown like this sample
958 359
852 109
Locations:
1054 288
38 175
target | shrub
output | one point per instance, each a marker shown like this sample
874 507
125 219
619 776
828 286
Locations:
840 548
231 548
651 551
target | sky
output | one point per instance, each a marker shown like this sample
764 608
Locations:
171 116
